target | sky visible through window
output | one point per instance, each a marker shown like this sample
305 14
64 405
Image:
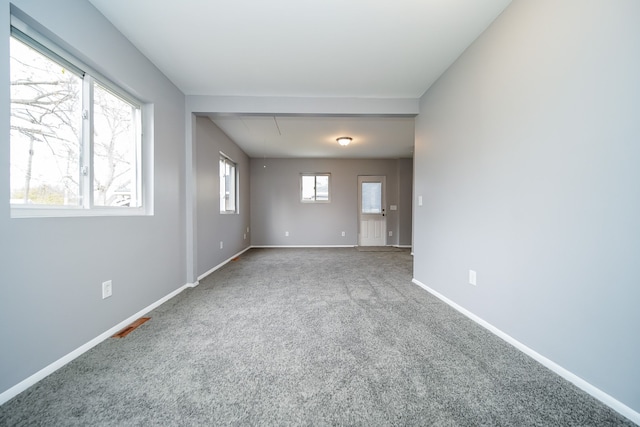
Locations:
49 152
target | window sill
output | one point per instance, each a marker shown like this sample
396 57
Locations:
66 212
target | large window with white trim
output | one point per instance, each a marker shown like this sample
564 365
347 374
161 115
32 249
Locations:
76 138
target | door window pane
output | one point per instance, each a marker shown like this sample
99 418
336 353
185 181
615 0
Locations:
371 197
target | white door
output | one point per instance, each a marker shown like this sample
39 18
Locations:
371 213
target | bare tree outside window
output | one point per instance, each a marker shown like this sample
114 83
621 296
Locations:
46 123
54 162
114 154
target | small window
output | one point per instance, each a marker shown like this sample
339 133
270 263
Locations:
76 139
315 187
228 187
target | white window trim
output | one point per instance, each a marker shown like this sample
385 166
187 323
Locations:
145 150
316 174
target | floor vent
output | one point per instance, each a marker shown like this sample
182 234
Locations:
126 331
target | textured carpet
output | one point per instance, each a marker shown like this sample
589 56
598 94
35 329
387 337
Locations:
378 249
306 337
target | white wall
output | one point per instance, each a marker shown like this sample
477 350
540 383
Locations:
212 226
527 156
276 206
52 268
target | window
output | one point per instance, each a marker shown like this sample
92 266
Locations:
315 187
76 139
228 187
371 197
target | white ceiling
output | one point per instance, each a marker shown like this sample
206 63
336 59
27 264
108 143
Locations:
303 136
304 48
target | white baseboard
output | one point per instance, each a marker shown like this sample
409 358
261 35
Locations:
608 400
301 246
217 267
48 370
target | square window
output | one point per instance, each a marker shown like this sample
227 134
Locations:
315 187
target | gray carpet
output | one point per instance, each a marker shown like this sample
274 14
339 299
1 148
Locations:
378 249
306 337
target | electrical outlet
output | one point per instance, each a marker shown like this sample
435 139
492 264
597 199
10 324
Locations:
247 229
245 236
419 200
221 244
391 234
472 278
107 289
286 234
344 234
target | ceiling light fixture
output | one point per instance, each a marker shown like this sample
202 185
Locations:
344 140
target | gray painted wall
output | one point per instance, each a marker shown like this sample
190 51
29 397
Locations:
52 268
405 199
276 206
212 226
527 158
